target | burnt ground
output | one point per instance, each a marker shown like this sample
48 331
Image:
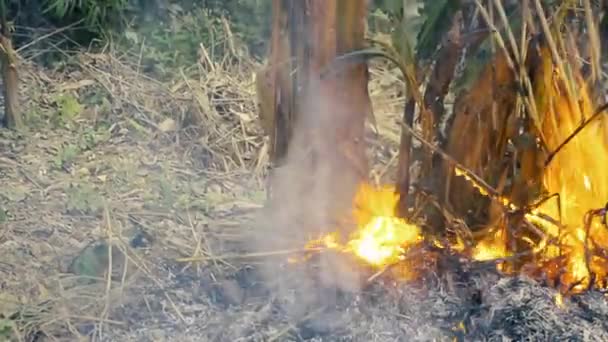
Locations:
170 178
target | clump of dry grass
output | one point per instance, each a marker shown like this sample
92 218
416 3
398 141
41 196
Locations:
173 161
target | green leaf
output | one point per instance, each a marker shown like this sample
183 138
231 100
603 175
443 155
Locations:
403 43
392 7
66 156
437 14
69 107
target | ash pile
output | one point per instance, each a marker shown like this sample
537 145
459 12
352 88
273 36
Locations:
319 301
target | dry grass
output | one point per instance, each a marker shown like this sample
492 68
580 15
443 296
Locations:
178 164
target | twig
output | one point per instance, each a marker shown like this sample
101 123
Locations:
108 287
531 105
501 43
594 116
553 47
249 255
141 53
138 262
381 272
504 259
95 319
594 39
48 35
451 160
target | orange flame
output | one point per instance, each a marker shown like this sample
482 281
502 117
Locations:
380 238
577 174
573 252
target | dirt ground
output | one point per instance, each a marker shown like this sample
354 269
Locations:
164 182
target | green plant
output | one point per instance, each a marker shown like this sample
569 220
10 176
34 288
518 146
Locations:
93 261
166 192
251 22
417 25
83 199
66 156
68 108
92 137
174 42
96 14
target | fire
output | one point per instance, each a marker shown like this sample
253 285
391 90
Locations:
575 256
572 254
577 174
382 238
492 247
379 238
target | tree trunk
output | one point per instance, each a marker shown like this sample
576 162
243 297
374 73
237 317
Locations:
8 58
318 111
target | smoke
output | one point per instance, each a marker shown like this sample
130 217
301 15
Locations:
311 190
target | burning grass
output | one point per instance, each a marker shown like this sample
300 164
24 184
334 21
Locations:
570 251
562 239
380 238
577 176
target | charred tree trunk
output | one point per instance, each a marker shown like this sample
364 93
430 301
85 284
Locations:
318 106
8 58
